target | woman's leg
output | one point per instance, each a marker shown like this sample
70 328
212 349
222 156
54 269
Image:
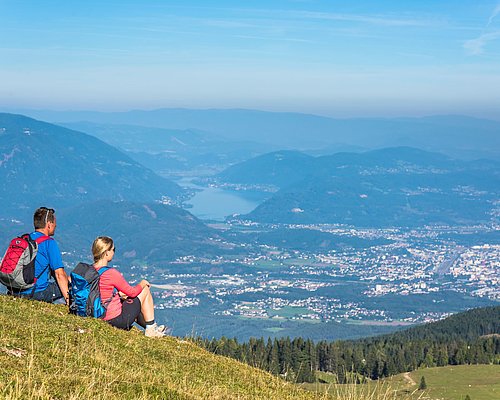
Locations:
147 307
131 309
140 320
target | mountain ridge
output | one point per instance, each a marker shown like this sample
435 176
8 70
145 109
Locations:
146 233
399 186
463 136
165 150
96 190
45 163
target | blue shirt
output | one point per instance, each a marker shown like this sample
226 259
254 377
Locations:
48 255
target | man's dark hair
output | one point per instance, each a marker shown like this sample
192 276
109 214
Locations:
42 216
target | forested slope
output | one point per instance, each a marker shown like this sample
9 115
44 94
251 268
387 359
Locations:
472 337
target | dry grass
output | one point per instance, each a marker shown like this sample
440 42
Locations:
377 391
371 390
47 354
453 382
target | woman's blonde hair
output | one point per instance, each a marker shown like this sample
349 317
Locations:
101 245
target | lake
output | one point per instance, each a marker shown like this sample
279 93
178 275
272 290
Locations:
216 204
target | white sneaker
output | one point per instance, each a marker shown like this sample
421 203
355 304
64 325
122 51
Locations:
167 331
155 330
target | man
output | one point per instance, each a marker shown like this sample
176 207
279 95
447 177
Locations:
48 260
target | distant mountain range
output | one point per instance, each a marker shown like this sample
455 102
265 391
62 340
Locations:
45 164
280 168
169 150
390 187
459 136
96 190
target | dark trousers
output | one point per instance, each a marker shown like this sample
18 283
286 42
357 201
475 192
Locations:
49 295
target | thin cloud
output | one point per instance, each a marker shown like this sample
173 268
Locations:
495 12
368 19
476 46
275 38
230 24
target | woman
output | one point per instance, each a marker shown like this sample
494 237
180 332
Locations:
125 304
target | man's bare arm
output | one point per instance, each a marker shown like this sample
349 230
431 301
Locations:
62 281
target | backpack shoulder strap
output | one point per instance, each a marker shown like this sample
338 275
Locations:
39 240
102 270
42 239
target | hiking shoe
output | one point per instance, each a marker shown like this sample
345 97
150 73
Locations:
155 330
167 331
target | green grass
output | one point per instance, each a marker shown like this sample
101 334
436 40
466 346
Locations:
271 265
47 354
480 382
372 322
372 391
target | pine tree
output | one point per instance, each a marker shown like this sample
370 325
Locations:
457 340
429 358
442 358
285 355
323 356
423 384
273 357
358 360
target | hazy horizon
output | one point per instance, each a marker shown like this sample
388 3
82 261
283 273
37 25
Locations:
27 111
360 59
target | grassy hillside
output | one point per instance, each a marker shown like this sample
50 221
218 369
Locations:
47 354
480 382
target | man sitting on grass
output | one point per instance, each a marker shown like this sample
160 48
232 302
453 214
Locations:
48 261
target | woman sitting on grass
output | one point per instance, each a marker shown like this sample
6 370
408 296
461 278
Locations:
125 304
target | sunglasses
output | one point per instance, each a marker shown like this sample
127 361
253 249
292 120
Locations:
49 210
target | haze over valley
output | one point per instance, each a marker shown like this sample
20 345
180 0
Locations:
340 245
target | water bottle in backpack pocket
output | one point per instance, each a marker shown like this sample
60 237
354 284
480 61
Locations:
85 296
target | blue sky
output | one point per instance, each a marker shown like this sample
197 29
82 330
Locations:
336 58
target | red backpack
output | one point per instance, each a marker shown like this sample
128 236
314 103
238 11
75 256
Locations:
17 270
